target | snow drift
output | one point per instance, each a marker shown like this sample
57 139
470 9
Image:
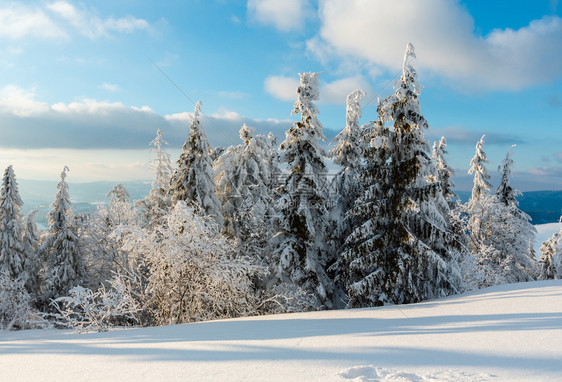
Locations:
503 333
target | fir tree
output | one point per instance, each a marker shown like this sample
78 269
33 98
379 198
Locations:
32 262
11 248
64 269
401 250
551 257
347 153
158 201
502 235
478 168
193 180
445 172
300 255
507 194
243 178
476 210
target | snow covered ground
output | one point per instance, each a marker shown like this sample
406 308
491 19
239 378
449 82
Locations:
505 333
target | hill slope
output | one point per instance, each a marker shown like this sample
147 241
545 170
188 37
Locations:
506 333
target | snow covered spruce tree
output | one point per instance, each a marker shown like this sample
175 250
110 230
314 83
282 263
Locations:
401 249
64 269
11 246
15 301
348 153
445 172
193 180
244 187
551 257
32 262
300 255
503 246
477 206
158 201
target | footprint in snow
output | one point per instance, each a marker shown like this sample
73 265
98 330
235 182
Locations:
379 374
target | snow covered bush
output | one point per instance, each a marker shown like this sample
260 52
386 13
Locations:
190 271
98 310
101 250
286 298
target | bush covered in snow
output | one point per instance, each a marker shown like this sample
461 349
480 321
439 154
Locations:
99 310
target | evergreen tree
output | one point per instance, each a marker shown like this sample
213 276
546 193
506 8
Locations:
551 257
300 255
507 194
64 269
476 210
401 250
347 153
445 172
502 236
158 201
243 178
32 262
193 180
11 248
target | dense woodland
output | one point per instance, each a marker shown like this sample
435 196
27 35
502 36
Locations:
260 228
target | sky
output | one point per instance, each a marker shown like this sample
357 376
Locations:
87 84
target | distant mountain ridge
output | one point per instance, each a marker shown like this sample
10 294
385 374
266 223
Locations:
39 194
542 206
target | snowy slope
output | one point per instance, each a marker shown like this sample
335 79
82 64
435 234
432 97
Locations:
506 333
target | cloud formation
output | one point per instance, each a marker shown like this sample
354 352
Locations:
284 88
26 123
285 15
60 20
446 43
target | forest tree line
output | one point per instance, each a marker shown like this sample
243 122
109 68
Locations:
222 234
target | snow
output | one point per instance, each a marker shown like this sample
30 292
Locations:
544 232
503 333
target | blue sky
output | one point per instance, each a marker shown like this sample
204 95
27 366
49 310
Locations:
78 86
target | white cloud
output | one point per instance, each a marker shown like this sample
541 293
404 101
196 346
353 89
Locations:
285 15
127 24
284 88
110 87
19 102
281 87
27 123
59 20
443 33
90 25
336 92
18 21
